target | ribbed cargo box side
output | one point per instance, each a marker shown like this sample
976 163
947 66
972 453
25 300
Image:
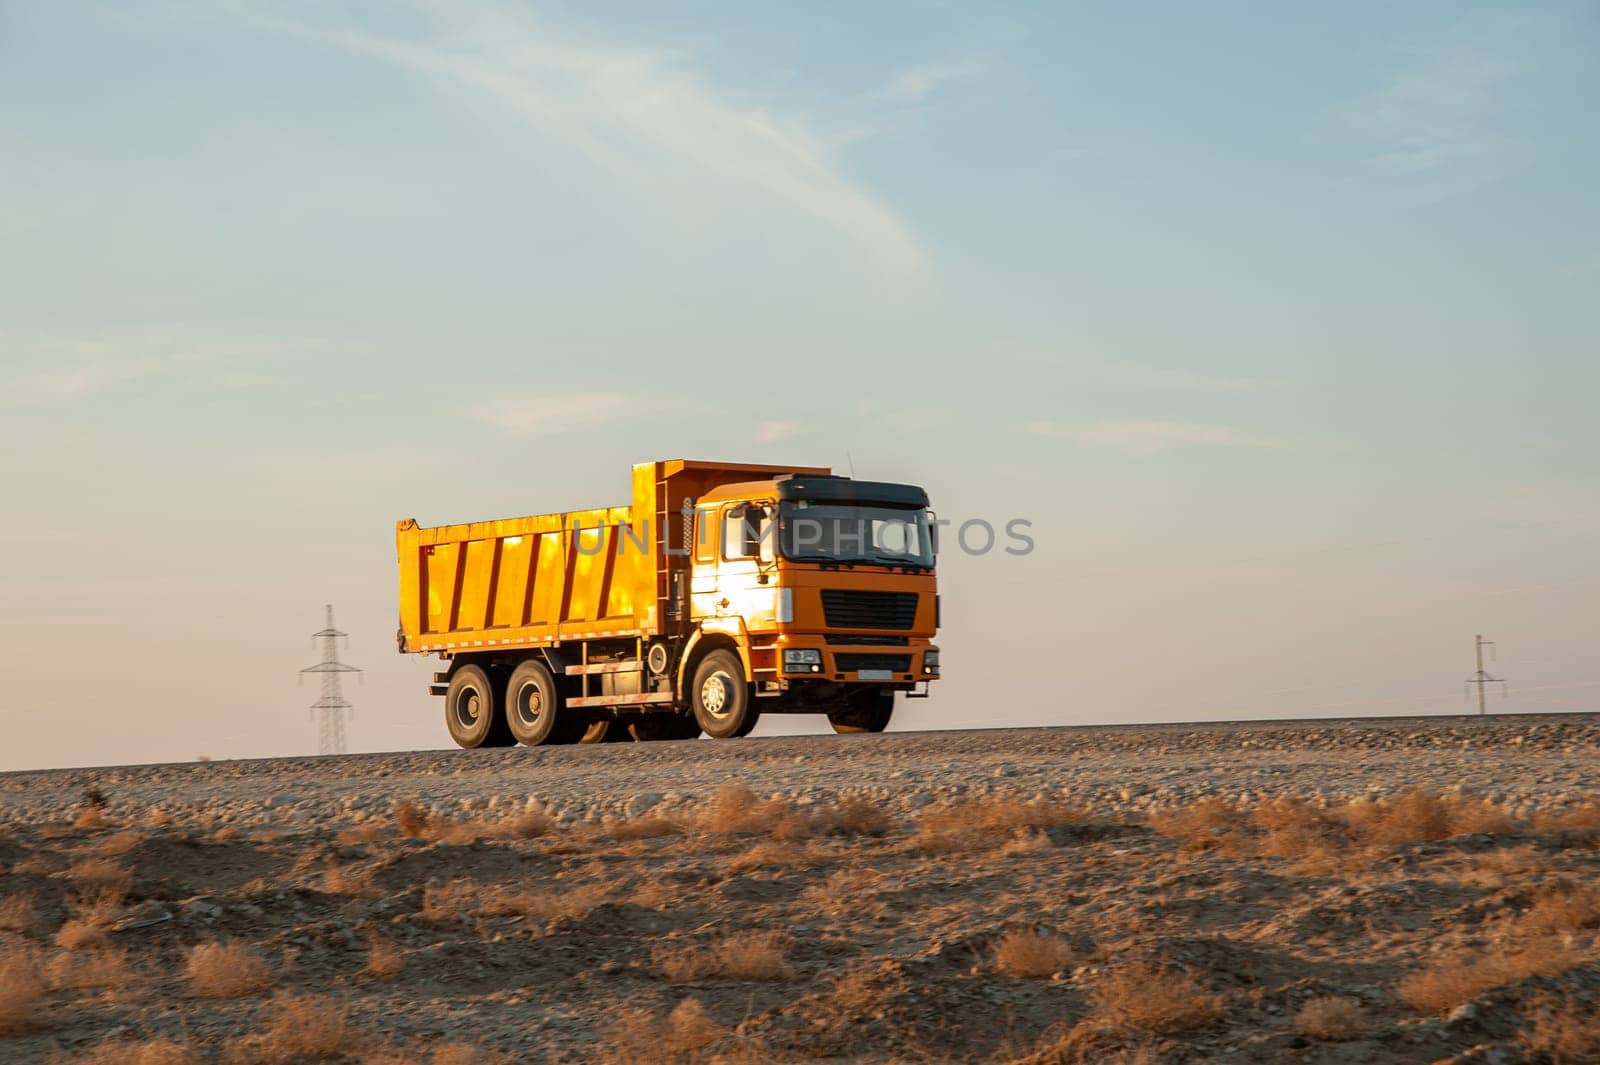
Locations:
526 581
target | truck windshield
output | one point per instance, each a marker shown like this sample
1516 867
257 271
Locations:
839 532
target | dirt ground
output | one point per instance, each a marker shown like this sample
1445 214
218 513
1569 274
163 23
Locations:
146 923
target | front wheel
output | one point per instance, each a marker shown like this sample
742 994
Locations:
866 713
721 698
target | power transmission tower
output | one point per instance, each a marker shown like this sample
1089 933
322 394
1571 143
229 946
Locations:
1481 679
331 708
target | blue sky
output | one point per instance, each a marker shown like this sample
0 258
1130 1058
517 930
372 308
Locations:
1279 326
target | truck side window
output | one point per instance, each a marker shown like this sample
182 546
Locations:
733 532
705 538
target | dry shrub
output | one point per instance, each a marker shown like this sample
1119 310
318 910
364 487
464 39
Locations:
1331 1018
742 956
156 1052
1151 999
770 854
854 816
342 880
1418 815
545 905
1030 841
979 823
644 1037
647 826
226 970
303 1028
656 895
91 818
733 809
100 874
17 914
1294 827
1583 817
411 818
1088 1043
464 1054
414 820
1032 954
384 960
1564 1031
80 932
157 818
368 833
100 968
225 834
1449 982
22 987
1202 825
119 843
1562 907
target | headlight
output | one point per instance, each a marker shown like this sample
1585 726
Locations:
803 660
930 662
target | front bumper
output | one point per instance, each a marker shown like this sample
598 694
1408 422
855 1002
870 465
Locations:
870 663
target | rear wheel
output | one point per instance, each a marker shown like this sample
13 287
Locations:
533 705
470 710
721 698
865 713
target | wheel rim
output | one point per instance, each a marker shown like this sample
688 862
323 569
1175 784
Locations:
716 694
528 705
469 706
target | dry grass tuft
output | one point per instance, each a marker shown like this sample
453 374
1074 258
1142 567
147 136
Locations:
463 1054
733 809
1202 825
1032 955
343 880
411 818
80 932
742 956
1564 1031
853 816
368 833
100 873
770 854
414 820
303 1028
156 1052
1562 907
1088 1043
91 818
384 960
643 1037
977 824
1331 1018
448 901
1418 815
647 826
1151 999
225 834
226 970
17 914
1449 982
119 843
100 968
22 988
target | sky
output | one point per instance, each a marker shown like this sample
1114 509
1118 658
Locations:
1279 327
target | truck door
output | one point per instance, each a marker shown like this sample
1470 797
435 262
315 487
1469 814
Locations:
745 568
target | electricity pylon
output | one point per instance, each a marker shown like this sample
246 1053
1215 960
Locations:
332 707
1482 679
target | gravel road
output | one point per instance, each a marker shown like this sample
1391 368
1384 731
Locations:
1514 759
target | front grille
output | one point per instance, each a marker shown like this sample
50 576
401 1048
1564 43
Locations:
846 609
858 638
850 663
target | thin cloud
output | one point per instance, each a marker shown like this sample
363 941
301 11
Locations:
53 368
353 466
1147 436
1184 380
543 415
636 114
919 82
770 432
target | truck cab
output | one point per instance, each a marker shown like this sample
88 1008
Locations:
831 581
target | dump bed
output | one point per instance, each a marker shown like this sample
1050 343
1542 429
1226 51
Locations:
535 581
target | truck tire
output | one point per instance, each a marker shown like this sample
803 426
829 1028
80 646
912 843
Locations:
665 727
533 703
721 698
869 713
470 708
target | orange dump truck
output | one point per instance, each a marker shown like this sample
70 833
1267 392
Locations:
723 592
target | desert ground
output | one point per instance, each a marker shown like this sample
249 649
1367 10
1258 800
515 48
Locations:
1404 890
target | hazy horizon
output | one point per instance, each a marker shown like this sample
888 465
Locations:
1279 327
